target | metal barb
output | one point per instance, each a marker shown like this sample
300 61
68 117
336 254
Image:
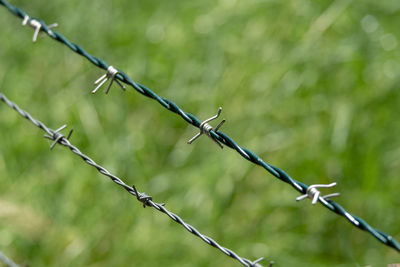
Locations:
255 263
142 197
57 136
331 206
313 193
111 74
50 32
206 128
132 190
25 20
37 26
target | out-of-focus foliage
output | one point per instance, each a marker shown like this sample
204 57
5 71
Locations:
311 86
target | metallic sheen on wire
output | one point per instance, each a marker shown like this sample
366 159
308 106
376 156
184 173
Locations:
218 135
142 197
7 262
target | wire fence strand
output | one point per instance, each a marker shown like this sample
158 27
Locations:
7 262
218 135
142 197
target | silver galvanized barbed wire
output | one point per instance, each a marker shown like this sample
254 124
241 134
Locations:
57 136
206 128
142 197
37 26
111 73
7 261
382 237
313 193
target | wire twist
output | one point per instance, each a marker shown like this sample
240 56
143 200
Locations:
111 73
313 193
141 197
206 128
56 136
219 136
37 26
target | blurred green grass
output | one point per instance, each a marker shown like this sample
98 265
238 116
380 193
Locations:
310 86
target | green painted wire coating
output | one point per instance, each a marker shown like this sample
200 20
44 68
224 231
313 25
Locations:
220 136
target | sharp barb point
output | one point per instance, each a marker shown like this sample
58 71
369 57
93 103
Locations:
206 128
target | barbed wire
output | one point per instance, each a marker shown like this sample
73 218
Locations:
7 261
146 200
215 135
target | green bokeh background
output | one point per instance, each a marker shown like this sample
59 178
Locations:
310 86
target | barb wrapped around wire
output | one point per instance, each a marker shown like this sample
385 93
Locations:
143 197
206 128
57 136
217 136
146 200
37 26
111 73
314 194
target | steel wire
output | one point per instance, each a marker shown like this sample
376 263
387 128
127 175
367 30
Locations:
7 262
218 135
142 197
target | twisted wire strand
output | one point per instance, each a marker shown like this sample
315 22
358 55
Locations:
7 261
218 135
142 197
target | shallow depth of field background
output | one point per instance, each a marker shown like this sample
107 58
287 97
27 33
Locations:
310 86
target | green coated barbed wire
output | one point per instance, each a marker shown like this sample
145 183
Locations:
216 135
